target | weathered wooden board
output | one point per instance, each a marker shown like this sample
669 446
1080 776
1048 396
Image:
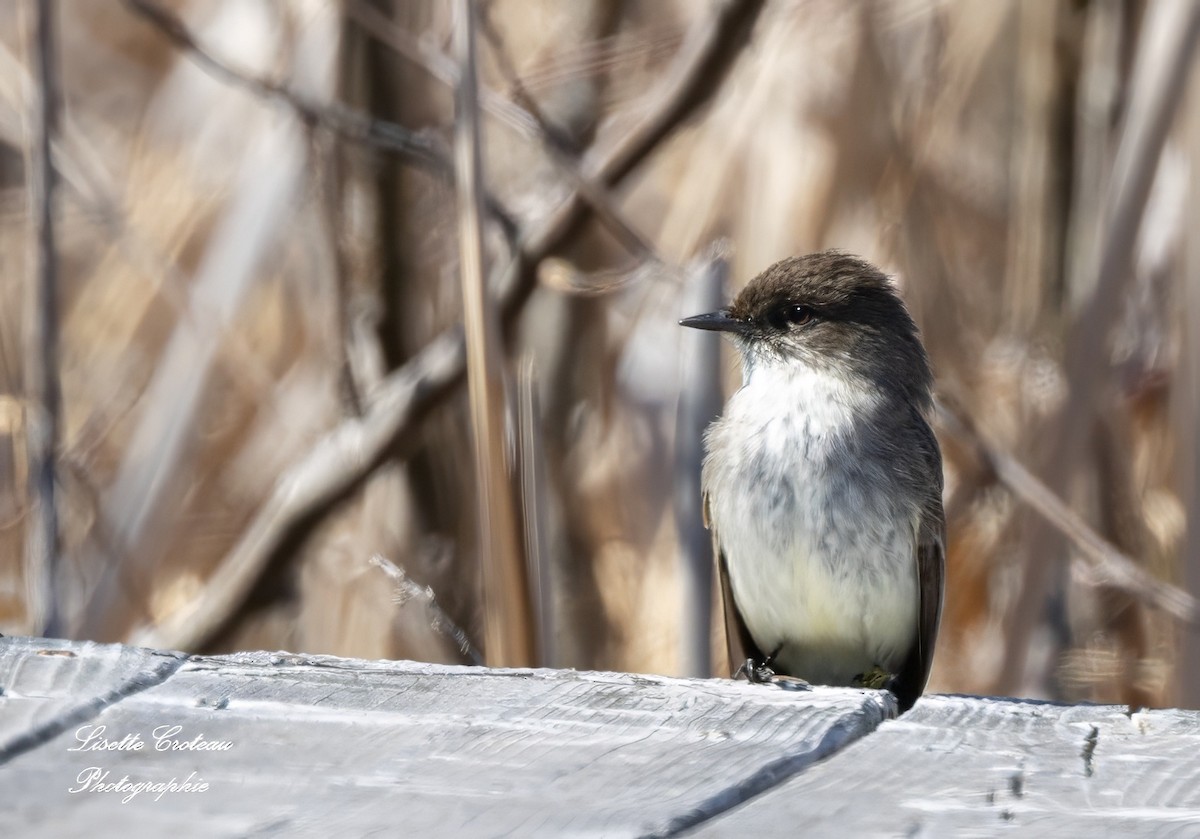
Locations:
959 766
327 746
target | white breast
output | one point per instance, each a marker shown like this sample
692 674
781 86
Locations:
819 559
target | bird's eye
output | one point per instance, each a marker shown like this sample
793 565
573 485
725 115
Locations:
791 315
799 314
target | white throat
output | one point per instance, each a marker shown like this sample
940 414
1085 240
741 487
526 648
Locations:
792 391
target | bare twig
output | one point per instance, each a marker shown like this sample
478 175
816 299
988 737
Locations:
334 467
1109 565
535 513
327 179
421 148
415 147
1097 106
508 636
553 135
440 622
524 116
605 54
562 150
707 55
425 54
41 358
350 452
1163 64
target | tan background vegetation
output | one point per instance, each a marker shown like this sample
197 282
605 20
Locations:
250 278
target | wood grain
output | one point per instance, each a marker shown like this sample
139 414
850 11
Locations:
323 745
965 766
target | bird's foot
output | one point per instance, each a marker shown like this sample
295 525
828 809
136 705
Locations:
756 673
760 673
876 678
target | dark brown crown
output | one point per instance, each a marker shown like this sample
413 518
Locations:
857 320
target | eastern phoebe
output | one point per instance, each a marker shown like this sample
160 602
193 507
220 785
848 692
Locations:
823 481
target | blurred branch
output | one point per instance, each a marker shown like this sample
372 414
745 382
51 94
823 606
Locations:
535 513
425 54
708 53
1161 67
419 148
1185 408
327 179
351 124
1097 109
41 358
562 150
554 137
82 182
524 115
150 477
508 638
1033 241
1109 565
440 622
699 402
349 453
335 467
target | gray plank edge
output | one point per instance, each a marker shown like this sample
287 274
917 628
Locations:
972 766
323 744
104 674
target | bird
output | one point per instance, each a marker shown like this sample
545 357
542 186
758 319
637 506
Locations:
822 481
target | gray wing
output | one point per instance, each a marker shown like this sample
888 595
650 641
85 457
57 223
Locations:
931 573
738 643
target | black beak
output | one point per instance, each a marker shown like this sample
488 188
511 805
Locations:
718 321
